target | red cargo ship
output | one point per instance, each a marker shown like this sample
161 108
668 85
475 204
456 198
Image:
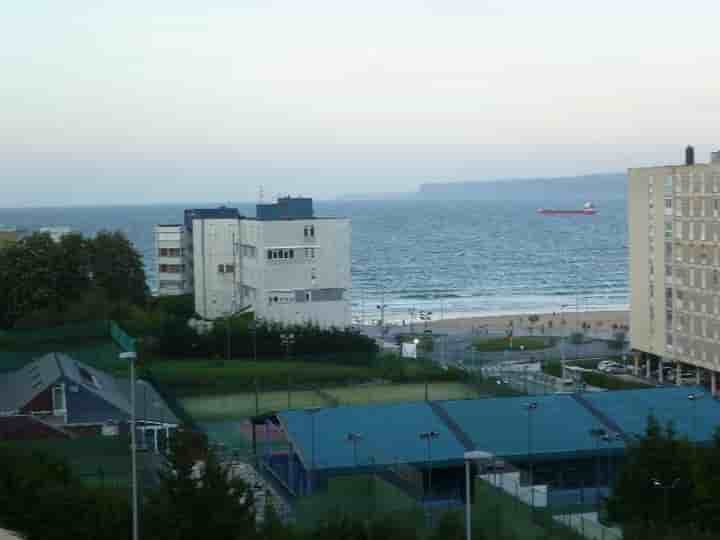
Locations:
588 209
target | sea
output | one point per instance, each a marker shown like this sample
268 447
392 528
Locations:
448 258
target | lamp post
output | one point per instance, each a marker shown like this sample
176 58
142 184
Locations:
354 438
426 317
287 340
693 398
412 312
428 436
253 330
530 408
597 434
228 320
312 411
657 484
381 307
474 455
562 342
132 357
609 438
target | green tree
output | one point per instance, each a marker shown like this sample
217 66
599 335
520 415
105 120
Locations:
657 487
116 266
41 499
198 501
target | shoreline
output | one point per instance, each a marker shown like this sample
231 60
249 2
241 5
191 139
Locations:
598 319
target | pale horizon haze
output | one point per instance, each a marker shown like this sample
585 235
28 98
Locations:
158 101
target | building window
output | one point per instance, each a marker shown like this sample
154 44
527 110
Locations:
170 252
226 268
171 268
309 231
668 184
285 254
668 203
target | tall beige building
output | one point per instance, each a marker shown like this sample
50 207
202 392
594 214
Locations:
674 235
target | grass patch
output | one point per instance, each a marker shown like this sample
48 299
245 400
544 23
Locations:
529 343
553 368
203 377
391 393
601 380
241 405
238 406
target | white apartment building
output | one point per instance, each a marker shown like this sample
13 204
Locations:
674 235
285 264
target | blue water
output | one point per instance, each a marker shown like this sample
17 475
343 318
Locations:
451 257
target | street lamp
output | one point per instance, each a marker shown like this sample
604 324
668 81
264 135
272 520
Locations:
354 438
228 319
312 411
426 317
381 307
428 436
693 398
657 484
253 330
474 455
562 341
132 358
597 434
609 438
287 340
530 408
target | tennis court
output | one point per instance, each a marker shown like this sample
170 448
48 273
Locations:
237 406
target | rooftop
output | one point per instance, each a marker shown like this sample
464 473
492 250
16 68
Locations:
560 426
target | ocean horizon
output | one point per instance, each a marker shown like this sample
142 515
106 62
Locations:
452 257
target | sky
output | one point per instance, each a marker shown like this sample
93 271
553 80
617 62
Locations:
147 101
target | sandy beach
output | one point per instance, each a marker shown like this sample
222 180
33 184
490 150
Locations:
597 320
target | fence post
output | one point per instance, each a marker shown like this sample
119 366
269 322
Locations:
257 399
289 391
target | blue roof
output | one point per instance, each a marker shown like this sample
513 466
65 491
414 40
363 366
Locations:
286 208
630 410
390 434
559 425
222 212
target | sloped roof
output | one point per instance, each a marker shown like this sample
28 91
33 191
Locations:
20 387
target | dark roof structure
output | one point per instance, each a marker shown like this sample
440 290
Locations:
92 396
562 427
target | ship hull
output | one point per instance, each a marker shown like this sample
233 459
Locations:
566 212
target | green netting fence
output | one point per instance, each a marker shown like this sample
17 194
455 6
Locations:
96 343
68 332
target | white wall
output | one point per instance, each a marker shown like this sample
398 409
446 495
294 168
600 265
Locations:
328 269
213 245
259 279
170 237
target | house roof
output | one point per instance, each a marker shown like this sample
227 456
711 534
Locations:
18 388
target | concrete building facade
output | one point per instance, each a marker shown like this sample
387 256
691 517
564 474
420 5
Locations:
674 237
285 264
